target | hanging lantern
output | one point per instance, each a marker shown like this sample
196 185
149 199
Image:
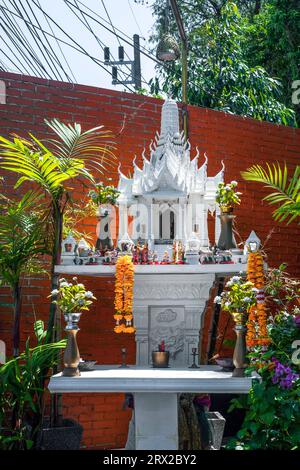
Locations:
167 49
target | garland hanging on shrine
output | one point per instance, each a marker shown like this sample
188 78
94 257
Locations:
124 295
257 333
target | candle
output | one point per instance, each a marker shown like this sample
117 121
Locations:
162 346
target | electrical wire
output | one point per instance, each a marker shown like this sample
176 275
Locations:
59 46
51 48
36 38
123 34
21 36
75 42
135 19
21 50
85 22
114 30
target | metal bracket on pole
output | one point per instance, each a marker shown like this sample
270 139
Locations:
134 76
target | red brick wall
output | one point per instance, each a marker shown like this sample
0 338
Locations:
134 119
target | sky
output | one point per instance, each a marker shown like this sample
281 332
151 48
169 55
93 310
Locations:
126 15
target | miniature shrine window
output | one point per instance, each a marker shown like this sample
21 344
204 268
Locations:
166 224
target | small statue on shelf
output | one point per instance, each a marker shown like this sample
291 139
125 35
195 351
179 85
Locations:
145 254
155 257
174 252
135 255
166 258
180 253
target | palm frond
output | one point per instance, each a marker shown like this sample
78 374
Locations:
41 167
286 190
92 146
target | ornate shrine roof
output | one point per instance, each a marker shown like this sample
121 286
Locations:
169 167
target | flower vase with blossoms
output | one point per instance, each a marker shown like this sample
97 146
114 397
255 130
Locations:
237 299
72 298
226 198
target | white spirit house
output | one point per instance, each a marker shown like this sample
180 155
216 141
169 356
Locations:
169 198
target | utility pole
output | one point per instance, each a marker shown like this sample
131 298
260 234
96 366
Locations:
184 58
137 62
134 75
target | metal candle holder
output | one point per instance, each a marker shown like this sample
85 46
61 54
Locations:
124 353
194 354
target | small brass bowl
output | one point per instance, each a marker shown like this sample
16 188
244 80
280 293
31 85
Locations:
160 359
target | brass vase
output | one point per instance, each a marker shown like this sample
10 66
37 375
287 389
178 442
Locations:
160 359
71 354
226 239
239 355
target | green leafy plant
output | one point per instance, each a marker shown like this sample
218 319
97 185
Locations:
286 191
223 74
226 195
22 391
238 297
72 297
103 194
73 154
23 240
272 419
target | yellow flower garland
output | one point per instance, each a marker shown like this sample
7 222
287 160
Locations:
257 333
124 295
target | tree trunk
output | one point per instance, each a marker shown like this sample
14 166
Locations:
17 317
56 254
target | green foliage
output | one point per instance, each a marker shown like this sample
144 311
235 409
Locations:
22 238
74 153
286 190
273 41
226 194
22 391
72 297
272 418
103 194
220 73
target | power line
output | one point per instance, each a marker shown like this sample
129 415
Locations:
85 22
35 36
134 17
21 37
114 30
142 49
50 46
58 44
120 31
20 49
75 42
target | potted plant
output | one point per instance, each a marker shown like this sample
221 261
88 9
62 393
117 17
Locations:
103 197
226 198
72 298
23 393
237 299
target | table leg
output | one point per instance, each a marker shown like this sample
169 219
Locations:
156 421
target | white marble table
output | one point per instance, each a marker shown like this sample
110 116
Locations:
155 394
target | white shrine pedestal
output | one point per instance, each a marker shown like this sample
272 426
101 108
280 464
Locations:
169 301
155 395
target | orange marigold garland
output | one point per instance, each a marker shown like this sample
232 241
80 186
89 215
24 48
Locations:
257 333
124 295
